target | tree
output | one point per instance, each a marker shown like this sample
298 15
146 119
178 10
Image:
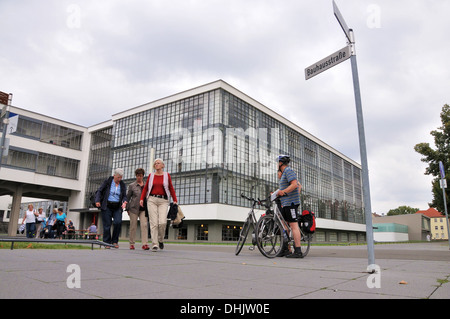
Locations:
402 210
433 156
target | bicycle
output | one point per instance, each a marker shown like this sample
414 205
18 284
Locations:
273 232
249 221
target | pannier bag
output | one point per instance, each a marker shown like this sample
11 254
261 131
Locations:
308 222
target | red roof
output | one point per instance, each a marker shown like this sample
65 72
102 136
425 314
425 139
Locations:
430 212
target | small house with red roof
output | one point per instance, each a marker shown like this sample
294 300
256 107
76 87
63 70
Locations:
438 223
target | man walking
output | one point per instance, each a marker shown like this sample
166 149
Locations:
111 198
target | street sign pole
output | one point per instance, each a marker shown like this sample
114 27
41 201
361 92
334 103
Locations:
446 213
363 152
362 139
442 170
324 65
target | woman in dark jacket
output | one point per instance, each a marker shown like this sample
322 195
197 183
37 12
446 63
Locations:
111 198
135 210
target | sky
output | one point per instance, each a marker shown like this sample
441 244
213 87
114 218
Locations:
83 61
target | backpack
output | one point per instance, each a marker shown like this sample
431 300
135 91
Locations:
308 222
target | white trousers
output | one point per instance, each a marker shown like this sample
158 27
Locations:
157 213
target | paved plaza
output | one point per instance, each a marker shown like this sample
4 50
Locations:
199 272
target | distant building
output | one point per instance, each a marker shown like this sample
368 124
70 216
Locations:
418 224
46 159
438 223
390 232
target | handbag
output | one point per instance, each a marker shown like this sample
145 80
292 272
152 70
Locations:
173 210
178 221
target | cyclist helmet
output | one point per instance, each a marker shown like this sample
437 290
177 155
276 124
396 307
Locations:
285 159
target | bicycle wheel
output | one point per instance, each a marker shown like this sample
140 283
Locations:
243 236
269 237
306 242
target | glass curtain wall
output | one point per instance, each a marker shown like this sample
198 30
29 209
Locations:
100 162
48 133
42 163
217 146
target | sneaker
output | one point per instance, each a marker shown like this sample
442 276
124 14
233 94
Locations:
161 245
296 254
284 253
154 248
131 247
145 247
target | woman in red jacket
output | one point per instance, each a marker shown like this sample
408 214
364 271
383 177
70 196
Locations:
157 191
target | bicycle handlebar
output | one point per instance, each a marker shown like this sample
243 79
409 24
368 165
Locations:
264 202
248 198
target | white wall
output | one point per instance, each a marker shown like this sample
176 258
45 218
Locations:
217 212
339 225
390 236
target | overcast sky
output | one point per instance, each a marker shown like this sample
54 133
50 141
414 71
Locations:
82 61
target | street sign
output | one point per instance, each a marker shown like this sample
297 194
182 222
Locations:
328 62
4 97
13 122
442 170
341 21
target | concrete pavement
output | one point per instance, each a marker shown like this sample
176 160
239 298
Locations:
201 272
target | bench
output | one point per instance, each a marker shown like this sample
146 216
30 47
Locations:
54 241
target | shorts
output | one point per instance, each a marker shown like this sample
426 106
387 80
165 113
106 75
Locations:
290 213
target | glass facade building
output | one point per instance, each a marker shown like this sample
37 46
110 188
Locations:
218 143
43 162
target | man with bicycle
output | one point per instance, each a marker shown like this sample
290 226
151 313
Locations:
289 195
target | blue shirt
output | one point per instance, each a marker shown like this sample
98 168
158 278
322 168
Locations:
114 192
286 178
61 217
